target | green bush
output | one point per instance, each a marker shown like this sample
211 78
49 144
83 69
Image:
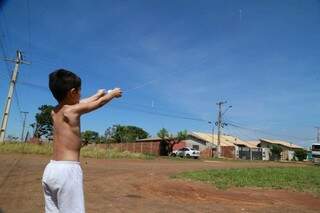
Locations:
301 154
276 151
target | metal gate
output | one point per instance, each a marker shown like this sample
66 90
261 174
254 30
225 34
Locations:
246 153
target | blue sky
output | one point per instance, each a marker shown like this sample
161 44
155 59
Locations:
260 56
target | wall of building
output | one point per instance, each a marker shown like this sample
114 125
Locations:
228 151
287 153
196 145
193 141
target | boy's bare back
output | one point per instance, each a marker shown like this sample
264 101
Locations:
67 141
66 123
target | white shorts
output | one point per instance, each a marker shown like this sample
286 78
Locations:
62 183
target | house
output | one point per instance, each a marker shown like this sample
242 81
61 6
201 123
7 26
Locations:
283 144
288 148
229 144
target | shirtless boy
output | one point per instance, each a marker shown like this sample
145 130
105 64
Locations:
62 178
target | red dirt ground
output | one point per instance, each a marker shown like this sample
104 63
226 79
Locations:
145 186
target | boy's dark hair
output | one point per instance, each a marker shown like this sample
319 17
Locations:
61 82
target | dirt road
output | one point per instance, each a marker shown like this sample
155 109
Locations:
144 186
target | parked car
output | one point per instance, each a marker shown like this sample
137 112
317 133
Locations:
186 152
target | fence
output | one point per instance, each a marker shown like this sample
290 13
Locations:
139 147
246 153
146 147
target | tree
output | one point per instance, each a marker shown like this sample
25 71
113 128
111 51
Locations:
163 134
90 136
102 139
170 140
276 151
44 123
301 154
122 134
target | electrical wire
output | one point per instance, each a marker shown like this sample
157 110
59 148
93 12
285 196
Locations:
29 25
231 123
32 85
3 49
3 45
239 132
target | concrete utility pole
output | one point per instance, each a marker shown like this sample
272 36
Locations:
5 117
23 125
318 134
220 124
212 134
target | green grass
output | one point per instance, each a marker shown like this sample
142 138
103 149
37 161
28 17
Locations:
304 179
88 152
93 152
44 149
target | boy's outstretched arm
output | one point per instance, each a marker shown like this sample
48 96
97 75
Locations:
85 107
95 97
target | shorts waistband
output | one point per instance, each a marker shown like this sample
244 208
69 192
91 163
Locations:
64 162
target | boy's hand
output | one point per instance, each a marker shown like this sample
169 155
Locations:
116 92
101 98
102 91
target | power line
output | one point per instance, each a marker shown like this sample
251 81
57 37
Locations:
32 85
3 49
4 53
5 34
266 132
28 25
17 102
240 133
4 21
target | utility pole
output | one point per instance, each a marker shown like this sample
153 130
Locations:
5 117
318 134
220 124
23 125
212 135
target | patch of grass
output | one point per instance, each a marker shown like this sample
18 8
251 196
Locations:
93 152
305 179
16 147
89 152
